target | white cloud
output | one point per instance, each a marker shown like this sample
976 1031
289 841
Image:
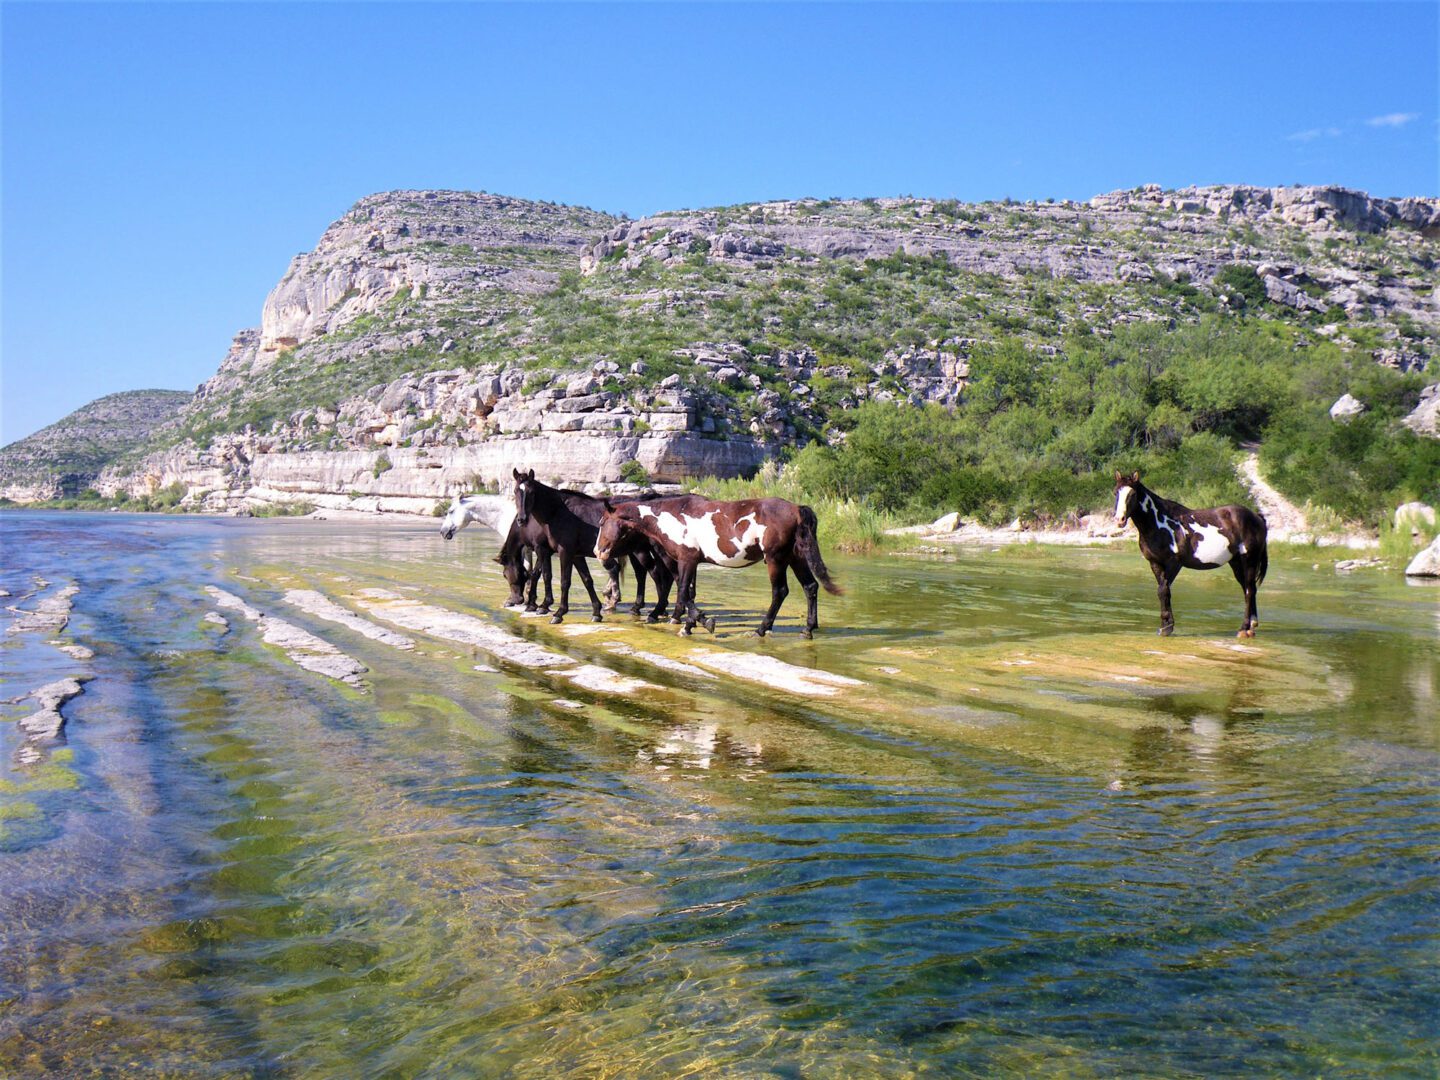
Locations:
1311 134
1394 119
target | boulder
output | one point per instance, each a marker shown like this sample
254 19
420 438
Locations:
1345 408
1425 418
1427 563
946 524
1412 515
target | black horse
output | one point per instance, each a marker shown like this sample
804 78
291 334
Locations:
567 523
1173 537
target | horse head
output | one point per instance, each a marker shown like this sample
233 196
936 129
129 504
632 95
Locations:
612 526
456 518
524 495
1127 493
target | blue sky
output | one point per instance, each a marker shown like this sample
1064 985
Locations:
162 163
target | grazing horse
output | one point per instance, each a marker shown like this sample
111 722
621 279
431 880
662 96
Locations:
497 513
542 512
692 530
1173 537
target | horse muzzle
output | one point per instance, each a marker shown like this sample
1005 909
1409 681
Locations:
1121 520
448 534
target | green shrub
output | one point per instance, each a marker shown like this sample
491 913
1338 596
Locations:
1243 283
632 472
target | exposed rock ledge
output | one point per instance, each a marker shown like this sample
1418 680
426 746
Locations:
412 480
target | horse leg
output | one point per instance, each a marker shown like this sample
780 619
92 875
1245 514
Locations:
532 578
564 608
640 569
664 582
779 589
1164 575
1245 575
544 556
584 569
685 598
812 596
612 589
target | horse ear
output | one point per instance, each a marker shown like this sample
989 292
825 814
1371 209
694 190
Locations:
516 472
1118 476
532 474
1135 477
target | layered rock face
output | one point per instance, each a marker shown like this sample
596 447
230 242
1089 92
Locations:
433 340
1320 209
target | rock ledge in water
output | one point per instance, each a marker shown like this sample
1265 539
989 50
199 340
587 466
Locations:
304 648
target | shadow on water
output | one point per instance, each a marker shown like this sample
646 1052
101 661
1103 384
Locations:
1033 838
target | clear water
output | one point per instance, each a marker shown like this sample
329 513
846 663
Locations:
1038 840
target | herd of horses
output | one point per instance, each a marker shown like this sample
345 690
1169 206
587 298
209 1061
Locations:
665 538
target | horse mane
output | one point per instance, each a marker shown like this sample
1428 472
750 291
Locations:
1170 506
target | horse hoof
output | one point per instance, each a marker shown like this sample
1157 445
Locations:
651 619
808 635
683 632
1165 631
556 619
710 625
597 617
757 633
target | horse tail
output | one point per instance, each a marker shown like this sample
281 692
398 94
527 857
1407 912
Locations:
1264 548
807 546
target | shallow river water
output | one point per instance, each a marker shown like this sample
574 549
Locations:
1004 830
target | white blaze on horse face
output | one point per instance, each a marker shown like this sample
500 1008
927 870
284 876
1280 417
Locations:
1122 499
1211 545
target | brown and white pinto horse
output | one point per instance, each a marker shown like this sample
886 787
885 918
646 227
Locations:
691 530
1173 537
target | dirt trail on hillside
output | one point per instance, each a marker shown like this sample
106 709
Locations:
1281 515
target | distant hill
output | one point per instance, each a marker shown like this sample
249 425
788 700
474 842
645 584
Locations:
67 456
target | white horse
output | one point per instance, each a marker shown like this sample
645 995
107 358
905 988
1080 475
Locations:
497 513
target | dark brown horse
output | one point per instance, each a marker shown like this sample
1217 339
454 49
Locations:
567 523
545 520
691 530
1173 537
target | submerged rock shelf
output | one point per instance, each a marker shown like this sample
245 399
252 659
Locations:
304 648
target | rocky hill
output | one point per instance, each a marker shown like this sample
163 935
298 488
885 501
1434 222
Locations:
66 457
433 340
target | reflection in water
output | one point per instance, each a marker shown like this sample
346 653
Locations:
1035 841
